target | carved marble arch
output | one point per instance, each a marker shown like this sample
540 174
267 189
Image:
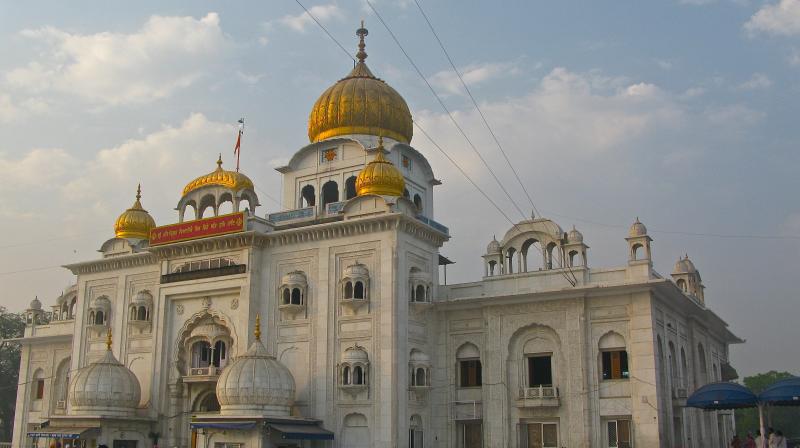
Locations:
182 346
532 240
534 340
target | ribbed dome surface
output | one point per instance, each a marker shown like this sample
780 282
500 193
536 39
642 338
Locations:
232 180
256 383
380 177
684 266
637 229
360 103
134 222
105 387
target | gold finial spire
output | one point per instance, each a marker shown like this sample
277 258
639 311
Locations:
139 191
257 333
219 162
361 33
108 339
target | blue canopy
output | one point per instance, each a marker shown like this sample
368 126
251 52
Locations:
722 396
783 393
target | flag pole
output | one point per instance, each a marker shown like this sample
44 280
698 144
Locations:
238 148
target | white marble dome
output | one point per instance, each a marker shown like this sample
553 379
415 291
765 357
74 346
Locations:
36 304
101 303
105 387
357 270
355 354
574 236
684 266
143 298
637 229
256 384
294 278
493 247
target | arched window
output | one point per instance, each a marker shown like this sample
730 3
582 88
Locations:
415 439
531 249
91 317
358 291
286 296
220 355
207 206
551 262
635 251
208 403
141 314
71 314
701 361
37 385
420 295
350 187
346 375
358 375
510 260
330 193
61 386
189 212
673 361
469 366
684 373
201 354
225 205
348 290
418 202
406 194
308 196
613 357
572 257
420 377
492 266
296 296
681 284
99 318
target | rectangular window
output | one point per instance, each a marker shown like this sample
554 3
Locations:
471 435
471 373
540 435
615 365
39 389
540 371
415 438
619 434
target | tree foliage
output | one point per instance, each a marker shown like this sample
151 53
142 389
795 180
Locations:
12 325
782 418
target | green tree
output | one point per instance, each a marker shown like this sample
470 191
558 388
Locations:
12 325
784 418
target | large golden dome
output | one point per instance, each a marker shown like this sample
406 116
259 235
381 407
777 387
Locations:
380 177
360 103
135 222
233 180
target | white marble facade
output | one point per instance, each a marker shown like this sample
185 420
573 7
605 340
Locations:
543 351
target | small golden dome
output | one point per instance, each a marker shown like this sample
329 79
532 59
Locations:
135 222
360 103
233 180
380 177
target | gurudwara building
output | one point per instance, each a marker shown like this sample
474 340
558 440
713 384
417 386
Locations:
327 325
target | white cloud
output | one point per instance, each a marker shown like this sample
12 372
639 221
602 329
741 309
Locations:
733 116
794 58
323 13
757 81
663 64
43 168
448 82
12 111
165 55
780 19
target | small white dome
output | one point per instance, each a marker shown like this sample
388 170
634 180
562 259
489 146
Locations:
355 354
637 229
101 303
419 275
36 304
418 357
105 387
493 247
574 236
294 278
684 266
209 331
256 383
357 270
143 298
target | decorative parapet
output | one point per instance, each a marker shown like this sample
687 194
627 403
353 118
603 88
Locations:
434 224
292 215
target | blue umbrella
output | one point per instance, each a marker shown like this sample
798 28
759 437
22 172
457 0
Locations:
722 395
783 393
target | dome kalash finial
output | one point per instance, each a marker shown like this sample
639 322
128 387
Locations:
135 222
257 333
380 176
361 104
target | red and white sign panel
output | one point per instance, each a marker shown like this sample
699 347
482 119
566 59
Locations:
201 228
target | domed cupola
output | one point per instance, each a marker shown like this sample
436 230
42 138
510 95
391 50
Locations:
493 247
214 189
380 176
135 222
105 387
684 266
574 236
360 103
637 229
256 383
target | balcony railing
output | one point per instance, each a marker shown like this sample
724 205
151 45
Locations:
203 273
201 374
291 215
334 208
539 396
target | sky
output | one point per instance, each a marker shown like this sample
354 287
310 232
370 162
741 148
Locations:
681 112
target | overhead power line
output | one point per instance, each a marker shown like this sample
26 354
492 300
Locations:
477 107
326 30
446 109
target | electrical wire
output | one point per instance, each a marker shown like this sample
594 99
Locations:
477 107
447 110
326 30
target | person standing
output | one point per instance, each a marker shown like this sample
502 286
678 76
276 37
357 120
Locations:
777 440
749 441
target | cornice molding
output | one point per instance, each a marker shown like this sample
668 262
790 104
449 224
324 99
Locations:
112 263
